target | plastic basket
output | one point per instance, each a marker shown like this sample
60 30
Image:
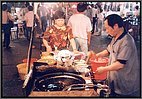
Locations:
22 70
95 64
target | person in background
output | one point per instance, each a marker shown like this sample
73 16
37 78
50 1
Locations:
100 19
37 26
29 19
22 13
88 12
43 16
137 12
38 10
123 68
81 28
58 36
6 26
94 18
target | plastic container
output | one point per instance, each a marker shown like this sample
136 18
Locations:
97 63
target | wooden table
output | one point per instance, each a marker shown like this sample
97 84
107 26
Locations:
83 93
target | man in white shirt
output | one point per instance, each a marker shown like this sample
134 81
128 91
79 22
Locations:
81 28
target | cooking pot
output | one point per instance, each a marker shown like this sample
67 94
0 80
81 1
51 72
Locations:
57 81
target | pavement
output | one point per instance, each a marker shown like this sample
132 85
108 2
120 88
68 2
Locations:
11 83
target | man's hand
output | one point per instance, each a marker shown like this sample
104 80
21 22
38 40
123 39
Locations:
101 70
91 54
75 51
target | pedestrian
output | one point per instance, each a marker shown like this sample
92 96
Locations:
43 16
29 19
123 68
100 19
88 12
94 18
58 36
81 28
137 12
22 12
6 25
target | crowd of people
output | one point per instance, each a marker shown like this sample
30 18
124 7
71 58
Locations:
44 18
123 68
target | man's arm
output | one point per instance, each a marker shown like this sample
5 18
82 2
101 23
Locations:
102 54
113 67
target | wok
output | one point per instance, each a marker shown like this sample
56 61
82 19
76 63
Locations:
57 81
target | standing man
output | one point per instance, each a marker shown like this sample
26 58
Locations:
123 68
43 16
81 28
29 19
95 19
6 17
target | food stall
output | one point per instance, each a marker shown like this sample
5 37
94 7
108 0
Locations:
63 73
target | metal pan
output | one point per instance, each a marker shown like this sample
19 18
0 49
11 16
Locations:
57 81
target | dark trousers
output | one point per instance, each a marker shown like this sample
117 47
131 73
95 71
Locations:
94 24
28 32
6 29
24 28
44 23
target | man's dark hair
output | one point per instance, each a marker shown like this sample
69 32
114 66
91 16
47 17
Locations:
30 8
114 19
59 14
81 7
4 7
27 4
137 7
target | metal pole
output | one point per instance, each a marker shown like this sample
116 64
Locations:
30 48
30 51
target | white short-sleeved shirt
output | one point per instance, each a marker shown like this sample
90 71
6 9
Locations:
126 80
94 12
80 25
